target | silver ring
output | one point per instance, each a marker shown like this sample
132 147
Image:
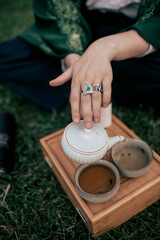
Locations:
88 89
98 87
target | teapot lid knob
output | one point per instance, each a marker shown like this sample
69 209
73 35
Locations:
84 140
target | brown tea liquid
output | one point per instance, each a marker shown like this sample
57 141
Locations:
97 179
131 158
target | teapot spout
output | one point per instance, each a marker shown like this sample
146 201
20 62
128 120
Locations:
113 140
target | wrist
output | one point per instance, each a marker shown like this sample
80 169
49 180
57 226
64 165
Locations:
112 48
109 47
127 45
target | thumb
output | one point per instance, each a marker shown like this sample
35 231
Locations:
64 77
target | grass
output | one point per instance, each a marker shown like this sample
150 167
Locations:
33 205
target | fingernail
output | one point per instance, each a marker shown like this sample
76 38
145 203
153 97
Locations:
96 120
76 120
51 83
88 125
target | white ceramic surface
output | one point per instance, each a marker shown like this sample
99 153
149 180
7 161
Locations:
106 116
97 198
86 146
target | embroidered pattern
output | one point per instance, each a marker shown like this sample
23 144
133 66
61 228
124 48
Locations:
68 17
150 10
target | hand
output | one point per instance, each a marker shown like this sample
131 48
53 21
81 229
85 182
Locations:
70 59
94 68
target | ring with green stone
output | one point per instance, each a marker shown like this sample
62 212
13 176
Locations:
88 89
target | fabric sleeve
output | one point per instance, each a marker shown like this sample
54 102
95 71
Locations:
59 28
151 49
148 25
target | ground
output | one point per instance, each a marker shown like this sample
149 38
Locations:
33 205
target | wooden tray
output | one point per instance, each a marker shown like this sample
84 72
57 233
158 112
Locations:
133 196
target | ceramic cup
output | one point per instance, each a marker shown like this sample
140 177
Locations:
133 157
112 178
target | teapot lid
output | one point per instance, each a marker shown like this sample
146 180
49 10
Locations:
87 141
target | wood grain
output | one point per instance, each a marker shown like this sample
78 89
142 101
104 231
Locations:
133 196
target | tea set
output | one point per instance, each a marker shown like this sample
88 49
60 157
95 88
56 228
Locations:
88 146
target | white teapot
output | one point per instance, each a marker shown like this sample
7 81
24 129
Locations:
87 145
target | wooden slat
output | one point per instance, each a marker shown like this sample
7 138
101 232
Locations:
111 213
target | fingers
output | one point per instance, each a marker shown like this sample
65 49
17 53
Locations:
96 103
75 102
80 105
90 102
106 96
101 99
86 110
64 77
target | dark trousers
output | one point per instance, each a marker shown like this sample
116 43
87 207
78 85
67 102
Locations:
26 70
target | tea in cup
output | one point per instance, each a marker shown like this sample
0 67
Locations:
97 182
133 157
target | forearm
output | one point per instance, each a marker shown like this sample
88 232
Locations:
124 45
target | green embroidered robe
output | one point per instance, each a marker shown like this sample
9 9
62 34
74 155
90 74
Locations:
60 29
